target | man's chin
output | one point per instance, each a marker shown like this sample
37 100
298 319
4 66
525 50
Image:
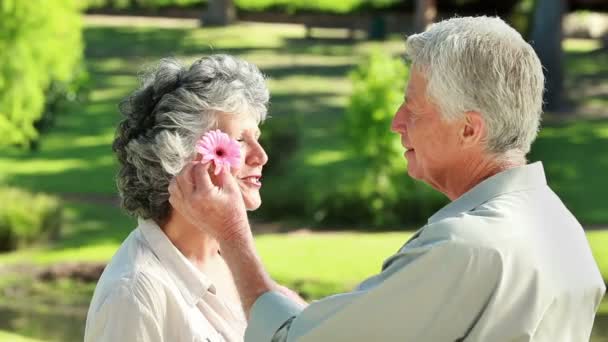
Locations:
412 173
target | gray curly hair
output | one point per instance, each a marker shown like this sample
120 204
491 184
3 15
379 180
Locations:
174 106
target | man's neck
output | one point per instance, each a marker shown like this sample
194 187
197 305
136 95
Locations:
472 172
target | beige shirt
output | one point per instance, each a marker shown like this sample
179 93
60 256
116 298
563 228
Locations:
506 261
150 292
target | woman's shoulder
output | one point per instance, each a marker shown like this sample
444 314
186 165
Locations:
127 301
133 272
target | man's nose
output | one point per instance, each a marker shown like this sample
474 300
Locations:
397 125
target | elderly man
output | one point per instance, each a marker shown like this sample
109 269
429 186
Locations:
504 261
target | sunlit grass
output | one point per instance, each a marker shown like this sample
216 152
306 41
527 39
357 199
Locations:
6 336
581 45
575 156
598 240
338 260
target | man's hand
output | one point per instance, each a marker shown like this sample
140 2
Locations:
211 203
215 205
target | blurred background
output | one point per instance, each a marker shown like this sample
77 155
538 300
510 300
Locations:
335 189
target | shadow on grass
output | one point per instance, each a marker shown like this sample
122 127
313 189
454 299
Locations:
150 43
600 328
43 325
586 75
575 156
94 224
308 70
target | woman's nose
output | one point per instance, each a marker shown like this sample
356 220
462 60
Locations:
256 155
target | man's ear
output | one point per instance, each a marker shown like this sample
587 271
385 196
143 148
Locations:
473 130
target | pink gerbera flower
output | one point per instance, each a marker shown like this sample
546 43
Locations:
217 147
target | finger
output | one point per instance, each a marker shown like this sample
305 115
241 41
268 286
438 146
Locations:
175 194
202 180
184 180
227 181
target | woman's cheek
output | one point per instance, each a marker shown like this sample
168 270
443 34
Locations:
235 170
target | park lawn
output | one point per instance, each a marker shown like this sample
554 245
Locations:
310 87
315 263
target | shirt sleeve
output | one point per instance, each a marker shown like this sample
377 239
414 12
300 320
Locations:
270 313
428 293
123 317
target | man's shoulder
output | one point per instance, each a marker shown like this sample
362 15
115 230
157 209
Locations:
486 231
509 219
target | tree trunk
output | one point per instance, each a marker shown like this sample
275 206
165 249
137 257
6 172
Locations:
219 13
546 38
426 11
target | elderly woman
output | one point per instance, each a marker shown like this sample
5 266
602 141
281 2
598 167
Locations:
168 281
504 261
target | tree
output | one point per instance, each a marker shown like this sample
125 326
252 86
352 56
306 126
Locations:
426 11
219 13
40 45
546 38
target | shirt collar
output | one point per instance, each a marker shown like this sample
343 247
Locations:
192 283
511 180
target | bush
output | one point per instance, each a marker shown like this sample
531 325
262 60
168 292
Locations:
280 139
384 194
40 51
27 218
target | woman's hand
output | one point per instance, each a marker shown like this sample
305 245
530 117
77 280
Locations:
214 204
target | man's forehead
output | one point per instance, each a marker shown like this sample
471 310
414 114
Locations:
415 85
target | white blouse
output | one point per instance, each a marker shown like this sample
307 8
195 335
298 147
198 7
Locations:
150 292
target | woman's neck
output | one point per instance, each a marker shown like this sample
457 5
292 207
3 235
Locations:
194 244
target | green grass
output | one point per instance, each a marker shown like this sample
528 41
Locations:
575 157
317 264
288 6
598 240
586 72
10 337
321 264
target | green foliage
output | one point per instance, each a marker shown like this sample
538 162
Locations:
26 218
378 85
280 140
522 16
151 4
40 45
383 191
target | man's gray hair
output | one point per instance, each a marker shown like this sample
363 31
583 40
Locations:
174 106
482 64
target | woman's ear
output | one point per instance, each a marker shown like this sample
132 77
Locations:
473 130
